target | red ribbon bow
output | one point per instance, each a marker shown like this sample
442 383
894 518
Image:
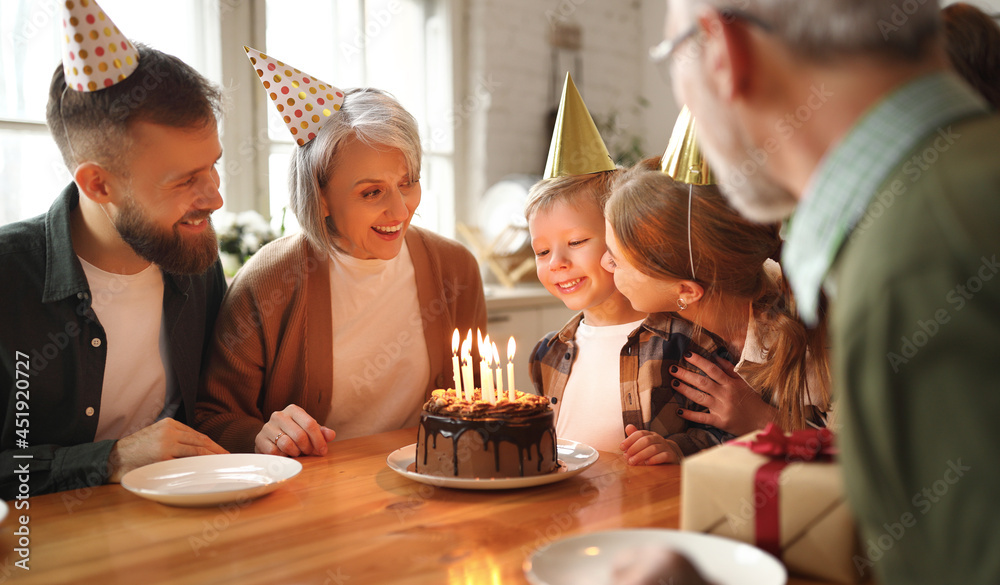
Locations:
805 445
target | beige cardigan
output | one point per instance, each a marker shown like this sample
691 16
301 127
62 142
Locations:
273 338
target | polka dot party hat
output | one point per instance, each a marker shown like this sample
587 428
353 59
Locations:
303 102
95 53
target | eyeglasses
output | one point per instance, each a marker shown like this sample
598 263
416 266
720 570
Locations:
661 53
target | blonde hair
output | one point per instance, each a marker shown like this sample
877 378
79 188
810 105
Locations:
573 189
369 115
648 212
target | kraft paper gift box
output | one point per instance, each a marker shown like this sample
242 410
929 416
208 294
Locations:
793 509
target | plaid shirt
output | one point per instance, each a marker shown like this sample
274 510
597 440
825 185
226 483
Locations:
648 400
848 180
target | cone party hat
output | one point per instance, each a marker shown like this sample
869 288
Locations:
577 147
683 160
303 102
95 53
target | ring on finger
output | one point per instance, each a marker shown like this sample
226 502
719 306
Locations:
280 434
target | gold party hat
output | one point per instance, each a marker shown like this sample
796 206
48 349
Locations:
95 53
577 147
303 102
683 160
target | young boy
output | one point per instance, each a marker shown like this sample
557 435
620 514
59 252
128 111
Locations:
607 369
579 365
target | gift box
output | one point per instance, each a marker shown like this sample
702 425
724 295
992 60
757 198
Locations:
782 493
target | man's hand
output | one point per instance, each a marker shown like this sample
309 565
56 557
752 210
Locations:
166 439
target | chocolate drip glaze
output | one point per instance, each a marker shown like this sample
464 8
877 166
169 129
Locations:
523 432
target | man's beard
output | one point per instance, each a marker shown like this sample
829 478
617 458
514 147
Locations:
741 177
169 250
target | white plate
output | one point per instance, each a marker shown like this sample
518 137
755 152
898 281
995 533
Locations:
575 457
589 558
503 205
209 480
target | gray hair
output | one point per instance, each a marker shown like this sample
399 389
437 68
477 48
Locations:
369 115
827 29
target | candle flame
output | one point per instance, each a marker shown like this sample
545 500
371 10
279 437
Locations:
479 337
511 347
496 356
454 343
467 351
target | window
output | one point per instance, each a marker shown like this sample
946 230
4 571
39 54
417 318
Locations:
401 46
32 172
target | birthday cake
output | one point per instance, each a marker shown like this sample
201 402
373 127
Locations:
478 439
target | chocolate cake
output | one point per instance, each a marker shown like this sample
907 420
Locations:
476 439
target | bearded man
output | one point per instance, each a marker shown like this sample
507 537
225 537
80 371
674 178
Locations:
110 296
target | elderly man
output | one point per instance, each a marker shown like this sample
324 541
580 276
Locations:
846 112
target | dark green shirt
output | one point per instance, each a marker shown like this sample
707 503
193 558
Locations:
916 349
53 350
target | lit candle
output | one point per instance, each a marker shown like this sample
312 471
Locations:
482 364
489 392
511 347
467 379
498 375
455 368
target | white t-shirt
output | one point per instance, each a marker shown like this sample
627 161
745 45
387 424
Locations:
380 363
130 308
591 408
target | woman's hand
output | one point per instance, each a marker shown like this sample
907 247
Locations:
649 448
733 406
293 432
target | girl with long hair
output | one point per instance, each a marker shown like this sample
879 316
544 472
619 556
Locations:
682 249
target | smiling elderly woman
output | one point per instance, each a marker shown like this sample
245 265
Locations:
347 326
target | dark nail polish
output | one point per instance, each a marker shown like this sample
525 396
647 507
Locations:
687 354
675 384
673 369
680 411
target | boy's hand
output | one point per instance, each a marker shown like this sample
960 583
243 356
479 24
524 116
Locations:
648 448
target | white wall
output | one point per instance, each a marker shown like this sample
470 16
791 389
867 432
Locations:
512 84
505 86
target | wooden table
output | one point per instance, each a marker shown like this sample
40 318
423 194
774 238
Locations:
346 519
